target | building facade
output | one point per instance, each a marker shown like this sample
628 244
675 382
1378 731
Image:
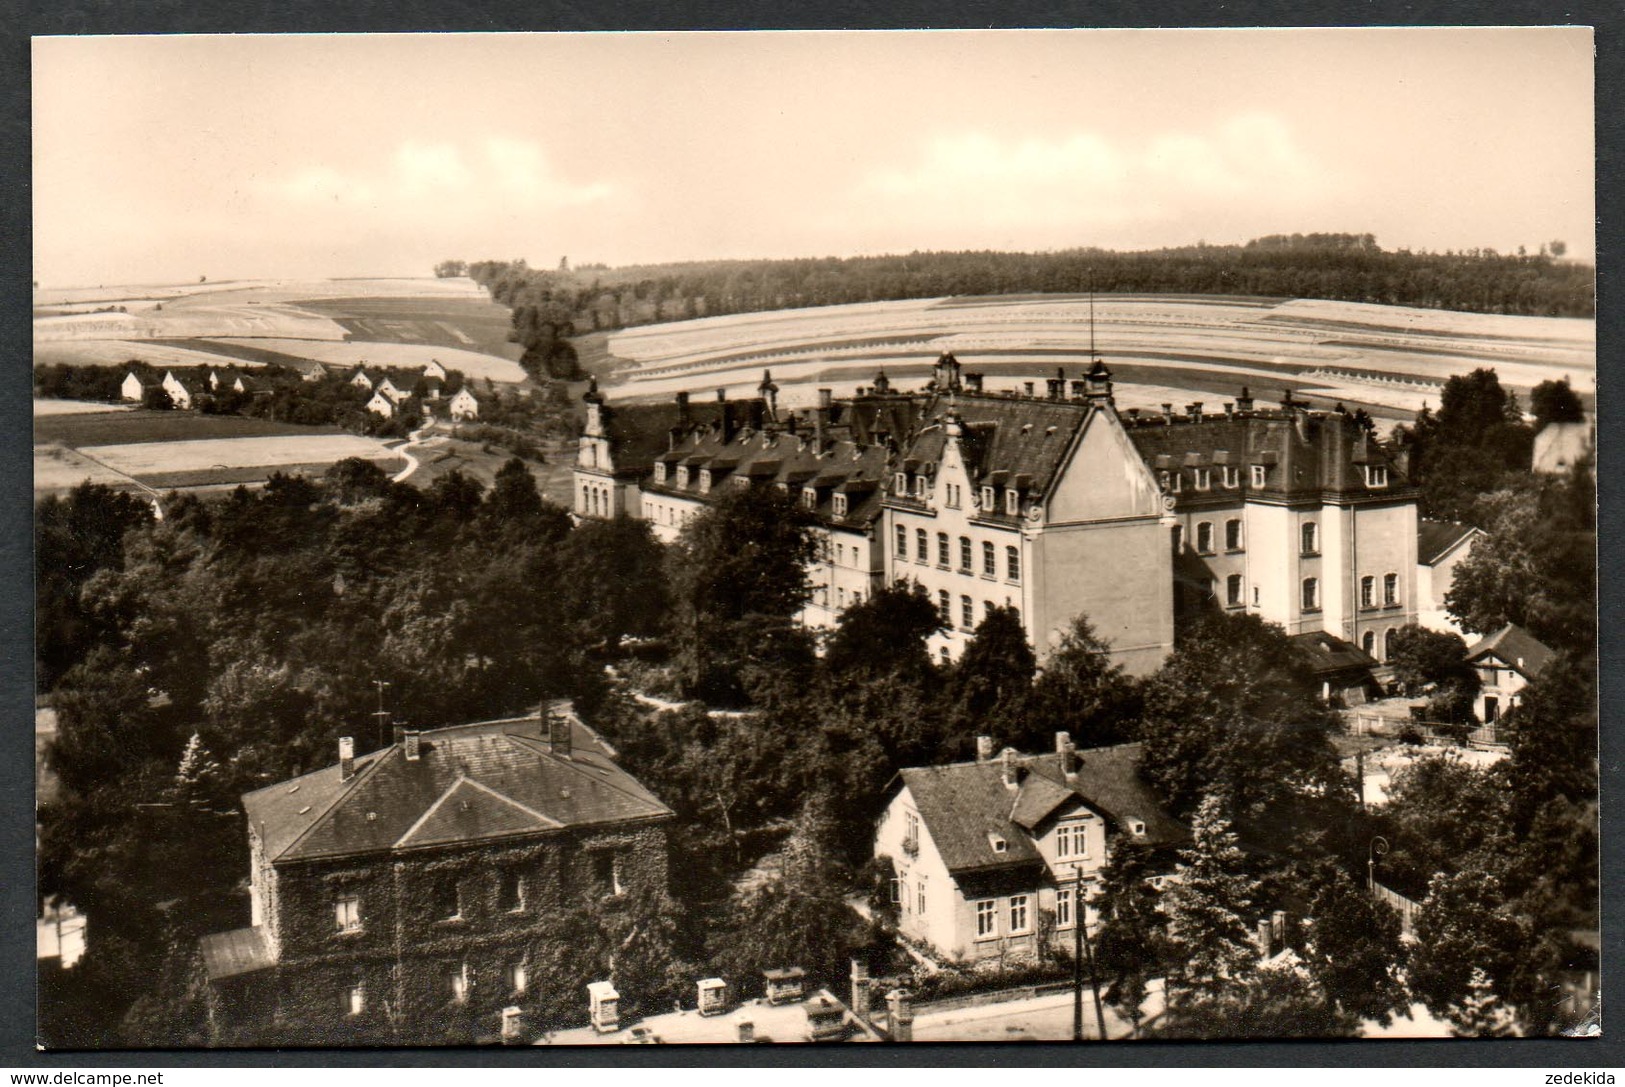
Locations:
988 857
413 888
1050 503
1507 662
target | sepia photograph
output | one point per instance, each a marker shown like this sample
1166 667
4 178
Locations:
575 539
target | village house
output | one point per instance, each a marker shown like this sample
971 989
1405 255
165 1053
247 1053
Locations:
388 388
381 406
185 389
434 371
361 379
463 407
987 856
420 881
132 387
991 500
1440 547
1559 447
1507 662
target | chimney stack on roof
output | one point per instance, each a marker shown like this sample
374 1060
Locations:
413 743
346 758
1065 748
1011 770
1229 409
1194 410
1244 402
984 748
1168 414
973 382
682 407
558 733
1027 387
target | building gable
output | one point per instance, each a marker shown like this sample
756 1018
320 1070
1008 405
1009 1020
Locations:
1103 477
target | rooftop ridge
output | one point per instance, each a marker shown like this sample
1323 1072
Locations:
366 772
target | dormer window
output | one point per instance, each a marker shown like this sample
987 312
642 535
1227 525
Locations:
782 488
705 480
987 499
741 482
840 505
1012 502
900 484
1260 474
1204 479
1232 476
919 486
1136 828
660 471
682 476
809 498
1376 475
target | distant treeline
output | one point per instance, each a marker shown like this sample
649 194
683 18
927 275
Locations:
551 305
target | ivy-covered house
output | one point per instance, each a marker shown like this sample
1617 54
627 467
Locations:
410 891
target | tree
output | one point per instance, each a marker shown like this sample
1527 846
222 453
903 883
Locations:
1131 946
1554 738
1210 942
992 680
1467 946
1276 1001
1353 947
1083 692
1423 659
1558 248
615 581
513 495
1555 402
1234 709
884 634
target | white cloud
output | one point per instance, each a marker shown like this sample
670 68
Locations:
1020 187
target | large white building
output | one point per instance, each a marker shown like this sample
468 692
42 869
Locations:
1053 504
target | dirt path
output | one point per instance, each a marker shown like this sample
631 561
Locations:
412 439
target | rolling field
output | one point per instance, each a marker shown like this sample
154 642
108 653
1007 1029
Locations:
129 427
386 322
1389 360
161 460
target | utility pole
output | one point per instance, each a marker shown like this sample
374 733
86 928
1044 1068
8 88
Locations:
1079 920
1077 958
381 717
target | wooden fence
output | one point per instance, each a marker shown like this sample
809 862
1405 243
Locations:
1407 909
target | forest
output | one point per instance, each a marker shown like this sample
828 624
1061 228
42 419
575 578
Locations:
551 306
227 645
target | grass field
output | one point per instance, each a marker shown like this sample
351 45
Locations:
162 460
130 427
472 324
406 356
75 407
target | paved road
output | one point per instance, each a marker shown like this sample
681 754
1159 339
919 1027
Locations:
411 461
1037 1019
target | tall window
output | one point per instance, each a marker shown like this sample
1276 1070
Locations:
1390 588
1310 538
1232 534
1388 644
902 542
457 982
1071 840
919 896
942 549
1204 479
987 499
987 919
1063 907
1368 642
967 612
900 484
964 553
921 551
1204 537
1232 476
1012 562
1178 534
990 564
1259 473
446 899
1311 593
355 999
1019 920
347 913
1368 591
517 976
1012 502
607 872
1232 590
945 608
510 892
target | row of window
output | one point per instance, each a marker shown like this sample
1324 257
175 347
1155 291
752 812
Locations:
967 553
1017 915
446 894
967 611
953 498
595 499
1390 590
842 597
459 982
1376 475
1204 536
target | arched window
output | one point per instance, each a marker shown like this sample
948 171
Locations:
944 608
1388 643
1390 588
1232 534
1012 560
1232 590
942 549
921 552
1368 641
964 554
1311 538
990 565
1204 537
902 542
1311 594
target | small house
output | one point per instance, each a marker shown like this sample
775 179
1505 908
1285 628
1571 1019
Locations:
463 406
785 985
381 406
1507 662
184 389
132 387
388 388
434 371
360 379
1440 547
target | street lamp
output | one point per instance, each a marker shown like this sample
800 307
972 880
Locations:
1082 951
1377 848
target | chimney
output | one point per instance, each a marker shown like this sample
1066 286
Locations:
973 382
1278 927
558 733
860 988
1079 387
1168 414
770 394
1194 410
1229 409
397 733
826 401
900 1015
747 1032
1134 415
1057 385
984 748
1027 387
1264 937
1011 771
1244 402
346 758
1065 749
413 742
682 409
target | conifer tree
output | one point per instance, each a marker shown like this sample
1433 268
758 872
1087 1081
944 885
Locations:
1210 940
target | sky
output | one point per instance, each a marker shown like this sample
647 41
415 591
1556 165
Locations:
162 159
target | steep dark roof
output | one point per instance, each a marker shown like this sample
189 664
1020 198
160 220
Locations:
1517 647
1007 434
1436 539
639 433
471 783
962 804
